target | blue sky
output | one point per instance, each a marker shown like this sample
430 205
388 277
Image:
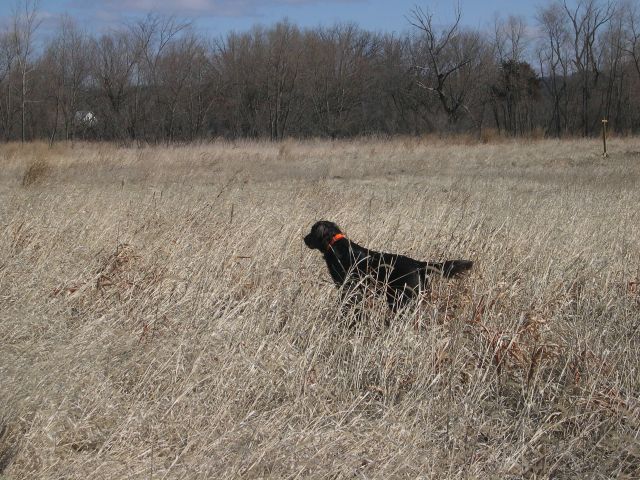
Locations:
220 16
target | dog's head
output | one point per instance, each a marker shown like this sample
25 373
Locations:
321 234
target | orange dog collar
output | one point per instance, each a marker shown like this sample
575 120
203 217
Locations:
336 237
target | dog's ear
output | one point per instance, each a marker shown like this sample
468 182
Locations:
327 230
321 234
324 234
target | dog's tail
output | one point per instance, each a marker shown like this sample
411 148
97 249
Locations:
450 268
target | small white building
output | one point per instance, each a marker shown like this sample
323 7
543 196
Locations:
85 118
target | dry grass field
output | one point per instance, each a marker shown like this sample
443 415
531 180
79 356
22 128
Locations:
160 316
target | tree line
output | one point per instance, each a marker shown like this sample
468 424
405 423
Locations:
159 80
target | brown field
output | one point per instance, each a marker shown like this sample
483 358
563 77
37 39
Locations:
161 317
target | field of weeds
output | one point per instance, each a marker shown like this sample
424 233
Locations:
162 318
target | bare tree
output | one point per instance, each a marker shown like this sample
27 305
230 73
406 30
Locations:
6 55
68 64
515 77
153 35
632 44
283 64
7 109
612 60
25 24
553 55
114 59
401 99
240 61
510 38
203 96
442 59
172 72
586 19
338 75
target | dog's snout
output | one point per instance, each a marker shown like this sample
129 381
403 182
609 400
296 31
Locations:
307 240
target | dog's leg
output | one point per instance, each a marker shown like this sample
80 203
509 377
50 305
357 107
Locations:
351 306
399 299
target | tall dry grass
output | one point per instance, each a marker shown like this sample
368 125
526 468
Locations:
161 317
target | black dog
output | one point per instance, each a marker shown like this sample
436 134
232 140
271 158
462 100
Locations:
398 277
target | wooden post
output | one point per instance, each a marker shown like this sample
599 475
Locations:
604 137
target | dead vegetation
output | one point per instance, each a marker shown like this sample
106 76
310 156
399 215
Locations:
162 318
35 172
